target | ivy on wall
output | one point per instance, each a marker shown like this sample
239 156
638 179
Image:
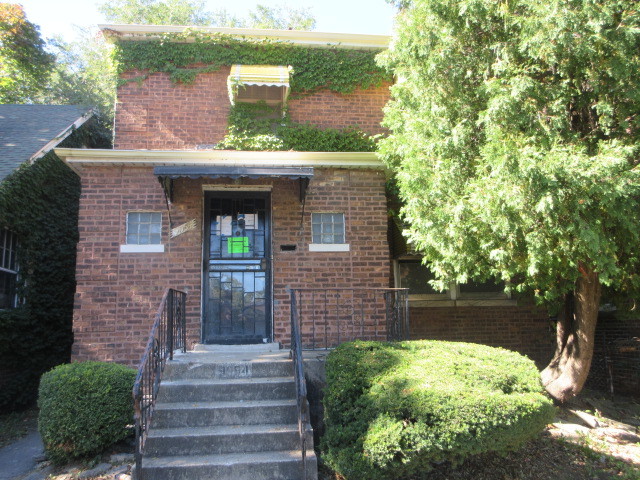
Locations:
257 127
260 127
184 55
39 204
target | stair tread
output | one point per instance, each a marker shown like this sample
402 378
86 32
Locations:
226 381
225 404
226 459
223 430
199 358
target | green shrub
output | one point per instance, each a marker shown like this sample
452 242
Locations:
394 409
84 408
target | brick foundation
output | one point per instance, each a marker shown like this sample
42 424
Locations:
523 328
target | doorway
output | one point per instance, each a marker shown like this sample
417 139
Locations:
237 268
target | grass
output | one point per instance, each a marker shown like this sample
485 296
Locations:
16 425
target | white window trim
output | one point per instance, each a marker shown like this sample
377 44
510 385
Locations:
149 248
137 247
329 247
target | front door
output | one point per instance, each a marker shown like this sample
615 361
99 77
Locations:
237 307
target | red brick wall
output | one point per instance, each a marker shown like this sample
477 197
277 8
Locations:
327 109
118 293
523 328
157 114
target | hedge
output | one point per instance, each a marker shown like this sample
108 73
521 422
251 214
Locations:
392 410
84 408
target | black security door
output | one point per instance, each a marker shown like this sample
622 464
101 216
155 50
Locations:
237 304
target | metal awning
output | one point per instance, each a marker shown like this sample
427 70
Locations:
253 83
167 173
265 75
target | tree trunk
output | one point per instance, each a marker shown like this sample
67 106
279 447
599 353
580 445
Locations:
565 375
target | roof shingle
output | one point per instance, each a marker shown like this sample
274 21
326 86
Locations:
25 129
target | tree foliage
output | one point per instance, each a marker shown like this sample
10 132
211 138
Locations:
520 120
515 143
25 65
157 12
194 12
84 74
281 17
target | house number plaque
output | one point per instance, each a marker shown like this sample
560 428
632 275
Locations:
233 370
185 227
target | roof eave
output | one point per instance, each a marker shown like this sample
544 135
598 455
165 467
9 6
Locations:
296 37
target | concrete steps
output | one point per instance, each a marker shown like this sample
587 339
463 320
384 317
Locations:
227 414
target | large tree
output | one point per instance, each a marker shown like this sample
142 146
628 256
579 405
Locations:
514 138
25 65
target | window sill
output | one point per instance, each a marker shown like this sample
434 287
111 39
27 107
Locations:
329 247
497 302
142 248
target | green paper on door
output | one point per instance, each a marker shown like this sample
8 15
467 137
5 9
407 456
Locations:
238 244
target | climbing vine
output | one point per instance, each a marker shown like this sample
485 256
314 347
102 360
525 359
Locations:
261 127
339 70
39 204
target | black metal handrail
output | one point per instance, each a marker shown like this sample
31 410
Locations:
331 316
301 386
168 333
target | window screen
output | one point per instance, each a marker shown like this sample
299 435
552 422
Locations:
144 228
327 227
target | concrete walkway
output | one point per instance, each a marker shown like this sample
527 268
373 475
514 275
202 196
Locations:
18 459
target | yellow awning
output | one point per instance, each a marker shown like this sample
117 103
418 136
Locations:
267 75
253 83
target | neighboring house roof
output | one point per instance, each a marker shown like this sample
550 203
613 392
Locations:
296 37
27 132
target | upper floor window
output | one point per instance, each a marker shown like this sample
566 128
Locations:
144 233
259 83
8 268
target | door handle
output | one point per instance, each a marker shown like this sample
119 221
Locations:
263 264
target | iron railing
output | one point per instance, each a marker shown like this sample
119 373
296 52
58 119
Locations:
331 316
301 386
168 333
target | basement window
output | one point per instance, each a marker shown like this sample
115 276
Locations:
411 273
259 83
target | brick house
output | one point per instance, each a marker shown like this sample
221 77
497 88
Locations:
236 229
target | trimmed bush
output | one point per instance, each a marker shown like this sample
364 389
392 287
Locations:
394 409
84 408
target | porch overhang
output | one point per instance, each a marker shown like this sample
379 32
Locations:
166 174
